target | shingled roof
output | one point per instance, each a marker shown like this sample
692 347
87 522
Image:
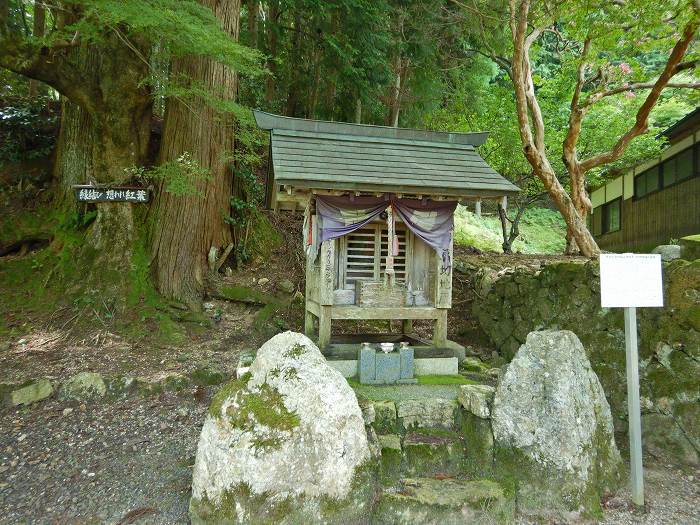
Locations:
318 155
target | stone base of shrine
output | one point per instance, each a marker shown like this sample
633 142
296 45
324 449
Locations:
342 354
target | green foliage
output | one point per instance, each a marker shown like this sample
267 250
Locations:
184 27
244 211
182 177
27 127
243 207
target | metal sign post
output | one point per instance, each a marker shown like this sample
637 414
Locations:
629 281
635 423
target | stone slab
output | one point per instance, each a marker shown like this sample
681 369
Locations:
427 413
367 365
431 366
459 351
423 501
437 366
477 399
407 363
346 367
388 367
398 393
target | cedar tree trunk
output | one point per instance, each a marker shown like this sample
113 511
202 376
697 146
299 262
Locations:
187 227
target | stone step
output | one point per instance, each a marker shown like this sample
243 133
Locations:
427 413
429 501
433 452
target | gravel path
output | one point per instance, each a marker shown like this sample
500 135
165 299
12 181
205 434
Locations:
131 462
98 464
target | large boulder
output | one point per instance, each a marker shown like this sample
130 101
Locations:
553 429
286 443
566 296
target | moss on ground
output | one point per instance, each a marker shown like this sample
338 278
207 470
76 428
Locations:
444 380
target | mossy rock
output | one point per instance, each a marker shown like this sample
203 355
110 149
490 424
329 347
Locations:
549 494
206 376
567 296
385 420
31 392
478 444
664 437
473 364
119 386
433 451
690 247
83 386
427 501
391 458
243 294
145 387
241 507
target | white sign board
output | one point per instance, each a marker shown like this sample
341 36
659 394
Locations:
630 280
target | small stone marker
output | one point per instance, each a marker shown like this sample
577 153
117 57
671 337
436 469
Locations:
90 193
377 368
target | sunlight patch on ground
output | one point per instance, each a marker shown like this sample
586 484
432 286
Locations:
541 231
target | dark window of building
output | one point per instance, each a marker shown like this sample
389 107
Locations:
596 221
684 164
668 168
611 216
678 168
646 182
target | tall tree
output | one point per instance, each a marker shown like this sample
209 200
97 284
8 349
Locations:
119 107
603 35
114 93
187 227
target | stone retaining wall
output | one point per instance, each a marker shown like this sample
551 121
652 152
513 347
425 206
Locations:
566 295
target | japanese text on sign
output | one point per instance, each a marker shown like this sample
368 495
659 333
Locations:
91 194
629 279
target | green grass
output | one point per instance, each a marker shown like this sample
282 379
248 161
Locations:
542 231
444 380
424 380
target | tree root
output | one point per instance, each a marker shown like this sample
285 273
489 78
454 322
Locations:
23 246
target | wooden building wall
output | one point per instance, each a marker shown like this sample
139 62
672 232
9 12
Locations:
654 219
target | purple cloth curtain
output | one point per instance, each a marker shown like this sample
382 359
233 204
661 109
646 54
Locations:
345 214
431 221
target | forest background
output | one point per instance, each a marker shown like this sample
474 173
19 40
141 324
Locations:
158 93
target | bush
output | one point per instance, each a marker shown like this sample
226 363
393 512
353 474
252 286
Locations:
28 128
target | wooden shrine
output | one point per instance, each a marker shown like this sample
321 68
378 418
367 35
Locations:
384 268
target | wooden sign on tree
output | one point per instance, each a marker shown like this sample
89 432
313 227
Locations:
89 193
